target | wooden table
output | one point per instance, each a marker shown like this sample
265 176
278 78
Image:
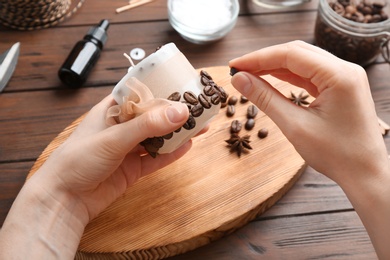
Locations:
313 221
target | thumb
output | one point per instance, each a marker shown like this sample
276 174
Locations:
266 98
157 122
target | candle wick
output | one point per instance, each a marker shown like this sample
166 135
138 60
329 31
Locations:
129 58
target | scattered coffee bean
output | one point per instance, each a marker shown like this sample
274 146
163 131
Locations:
250 123
175 96
232 100
190 97
243 99
190 124
251 111
215 99
231 110
209 90
223 104
197 110
263 133
203 99
235 127
233 71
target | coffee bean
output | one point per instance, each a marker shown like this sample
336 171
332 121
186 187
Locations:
252 111
190 124
243 99
209 90
175 96
250 123
190 97
168 136
215 99
157 141
231 110
203 99
205 74
360 50
205 81
178 130
223 94
233 71
197 110
232 100
223 104
235 126
263 133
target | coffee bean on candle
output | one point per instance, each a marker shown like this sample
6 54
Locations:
203 99
190 124
205 81
190 97
205 74
223 94
209 90
197 110
175 96
215 99
168 136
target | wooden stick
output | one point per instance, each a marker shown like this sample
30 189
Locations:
384 127
132 5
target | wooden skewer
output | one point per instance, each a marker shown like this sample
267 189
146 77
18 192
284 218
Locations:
132 4
384 127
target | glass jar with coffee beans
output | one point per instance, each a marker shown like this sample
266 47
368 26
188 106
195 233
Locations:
354 30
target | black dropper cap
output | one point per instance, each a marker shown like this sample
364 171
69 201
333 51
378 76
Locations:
84 55
99 32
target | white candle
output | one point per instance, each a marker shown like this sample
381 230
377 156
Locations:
164 72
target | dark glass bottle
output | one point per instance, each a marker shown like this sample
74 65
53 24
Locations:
84 55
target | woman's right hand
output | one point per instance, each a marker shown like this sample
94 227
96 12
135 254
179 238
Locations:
337 134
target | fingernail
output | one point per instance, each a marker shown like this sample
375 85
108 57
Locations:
242 83
177 112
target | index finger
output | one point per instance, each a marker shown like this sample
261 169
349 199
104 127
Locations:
299 58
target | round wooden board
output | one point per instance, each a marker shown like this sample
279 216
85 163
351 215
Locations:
203 196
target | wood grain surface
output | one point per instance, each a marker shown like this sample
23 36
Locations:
314 220
205 195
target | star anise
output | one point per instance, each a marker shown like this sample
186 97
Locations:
299 100
239 144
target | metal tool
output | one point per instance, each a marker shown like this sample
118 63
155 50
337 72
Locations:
8 61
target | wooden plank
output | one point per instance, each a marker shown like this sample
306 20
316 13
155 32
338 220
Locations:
12 177
41 55
92 11
30 120
338 235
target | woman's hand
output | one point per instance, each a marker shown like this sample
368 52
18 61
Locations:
338 134
90 170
